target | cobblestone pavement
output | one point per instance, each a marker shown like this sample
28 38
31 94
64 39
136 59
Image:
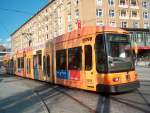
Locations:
58 99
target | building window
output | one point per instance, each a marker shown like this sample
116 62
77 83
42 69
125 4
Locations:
146 25
136 24
134 14
99 2
139 37
133 3
122 2
113 24
123 13
99 23
148 38
69 18
47 28
99 12
111 13
47 36
77 14
59 20
145 15
145 4
69 28
111 2
76 2
69 5
124 25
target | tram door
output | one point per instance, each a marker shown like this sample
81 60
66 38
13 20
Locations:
24 67
46 67
88 70
35 67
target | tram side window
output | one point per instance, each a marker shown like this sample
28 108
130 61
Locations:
88 57
15 66
29 65
18 62
44 65
11 65
75 58
61 60
22 62
35 61
48 65
100 53
39 59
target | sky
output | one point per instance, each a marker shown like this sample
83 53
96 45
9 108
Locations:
13 13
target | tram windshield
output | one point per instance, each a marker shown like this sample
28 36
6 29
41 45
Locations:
120 57
113 53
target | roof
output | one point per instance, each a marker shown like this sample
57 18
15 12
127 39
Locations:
87 31
32 17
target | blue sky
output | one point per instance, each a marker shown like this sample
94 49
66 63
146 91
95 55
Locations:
10 20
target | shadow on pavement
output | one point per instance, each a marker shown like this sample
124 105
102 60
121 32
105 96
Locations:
135 100
18 102
6 75
29 99
48 91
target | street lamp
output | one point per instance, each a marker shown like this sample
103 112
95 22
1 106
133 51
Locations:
28 37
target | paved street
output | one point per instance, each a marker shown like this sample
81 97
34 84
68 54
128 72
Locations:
19 95
16 97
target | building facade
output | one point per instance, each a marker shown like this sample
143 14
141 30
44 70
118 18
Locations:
61 16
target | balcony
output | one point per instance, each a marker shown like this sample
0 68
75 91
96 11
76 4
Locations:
134 7
135 17
123 6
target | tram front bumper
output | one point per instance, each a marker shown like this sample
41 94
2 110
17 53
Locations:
118 88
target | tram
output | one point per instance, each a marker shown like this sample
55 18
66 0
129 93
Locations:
8 63
91 58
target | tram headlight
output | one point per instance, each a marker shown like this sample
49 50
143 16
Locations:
116 79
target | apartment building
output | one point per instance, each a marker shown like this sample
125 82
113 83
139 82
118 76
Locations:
61 16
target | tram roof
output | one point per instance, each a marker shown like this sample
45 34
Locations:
88 31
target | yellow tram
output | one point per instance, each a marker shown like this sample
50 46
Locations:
91 58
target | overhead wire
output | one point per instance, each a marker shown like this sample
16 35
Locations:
16 11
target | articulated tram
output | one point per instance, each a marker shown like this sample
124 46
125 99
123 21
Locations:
91 58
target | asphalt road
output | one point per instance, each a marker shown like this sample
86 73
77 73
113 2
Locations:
18 95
